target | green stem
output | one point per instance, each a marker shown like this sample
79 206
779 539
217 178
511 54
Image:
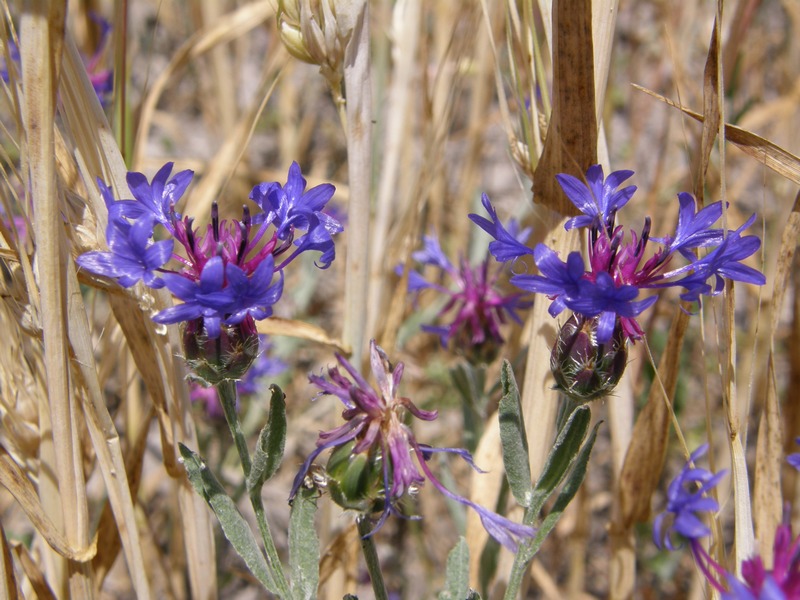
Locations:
228 395
371 558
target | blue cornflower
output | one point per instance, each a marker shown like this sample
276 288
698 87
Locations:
598 199
291 207
618 271
687 496
133 255
227 273
377 463
475 308
507 246
687 503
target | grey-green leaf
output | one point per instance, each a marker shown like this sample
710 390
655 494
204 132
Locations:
234 525
566 448
513 438
271 442
304 545
567 493
456 585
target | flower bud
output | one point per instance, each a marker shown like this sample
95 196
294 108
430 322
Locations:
355 480
583 368
227 357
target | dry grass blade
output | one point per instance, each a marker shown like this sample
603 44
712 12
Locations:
33 572
42 27
358 83
102 431
301 330
10 586
227 28
767 153
223 165
14 480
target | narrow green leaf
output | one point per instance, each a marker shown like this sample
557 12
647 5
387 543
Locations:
304 545
271 442
573 483
513 438
234 525
562 455
456 584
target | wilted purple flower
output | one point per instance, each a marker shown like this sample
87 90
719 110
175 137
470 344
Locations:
475 307
619 270
377 462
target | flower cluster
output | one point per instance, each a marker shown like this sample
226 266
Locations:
688 504
475 307
619 269
230 272
377 462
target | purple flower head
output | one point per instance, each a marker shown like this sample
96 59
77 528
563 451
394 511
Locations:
686 497
619 271
598 199
376 445
291 207
227 271
133 256
687 503
474 306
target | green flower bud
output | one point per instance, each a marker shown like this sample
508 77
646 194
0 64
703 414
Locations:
227 357
355 481
584 369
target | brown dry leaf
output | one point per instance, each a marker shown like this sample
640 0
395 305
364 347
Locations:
644 460
302 330
571 143
711 115
767 496
14 480
770 155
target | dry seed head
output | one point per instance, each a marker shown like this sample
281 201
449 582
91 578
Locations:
317 32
